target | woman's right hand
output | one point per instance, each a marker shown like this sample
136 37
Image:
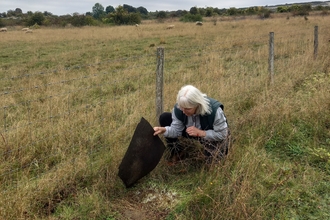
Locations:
159 130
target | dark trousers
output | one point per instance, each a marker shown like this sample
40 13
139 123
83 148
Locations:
175 148
212 149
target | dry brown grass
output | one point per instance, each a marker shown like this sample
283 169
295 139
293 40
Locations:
64 131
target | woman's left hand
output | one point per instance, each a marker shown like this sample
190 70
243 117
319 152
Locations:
195 132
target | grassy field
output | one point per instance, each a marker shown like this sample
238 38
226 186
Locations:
72 97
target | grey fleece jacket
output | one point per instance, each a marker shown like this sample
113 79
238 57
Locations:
219 132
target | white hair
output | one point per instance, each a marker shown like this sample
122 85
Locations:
191 97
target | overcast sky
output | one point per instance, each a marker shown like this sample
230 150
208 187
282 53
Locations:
63 7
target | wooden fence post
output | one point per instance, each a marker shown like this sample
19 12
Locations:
271 57
316 41
159 81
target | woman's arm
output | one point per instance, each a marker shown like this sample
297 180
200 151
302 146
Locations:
173 131
220 127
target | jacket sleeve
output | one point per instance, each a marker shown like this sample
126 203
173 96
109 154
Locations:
220 127
176 128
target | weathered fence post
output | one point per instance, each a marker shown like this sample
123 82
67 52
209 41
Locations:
316 40
4 118
271 57
159 81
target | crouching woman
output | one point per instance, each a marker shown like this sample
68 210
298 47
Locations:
196 116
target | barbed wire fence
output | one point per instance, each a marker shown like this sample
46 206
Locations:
58 114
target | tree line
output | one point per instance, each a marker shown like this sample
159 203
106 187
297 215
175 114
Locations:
129 15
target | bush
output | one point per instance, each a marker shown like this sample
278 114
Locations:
1 23
191 18
300 13
324 13
265 14
80 20
36 18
